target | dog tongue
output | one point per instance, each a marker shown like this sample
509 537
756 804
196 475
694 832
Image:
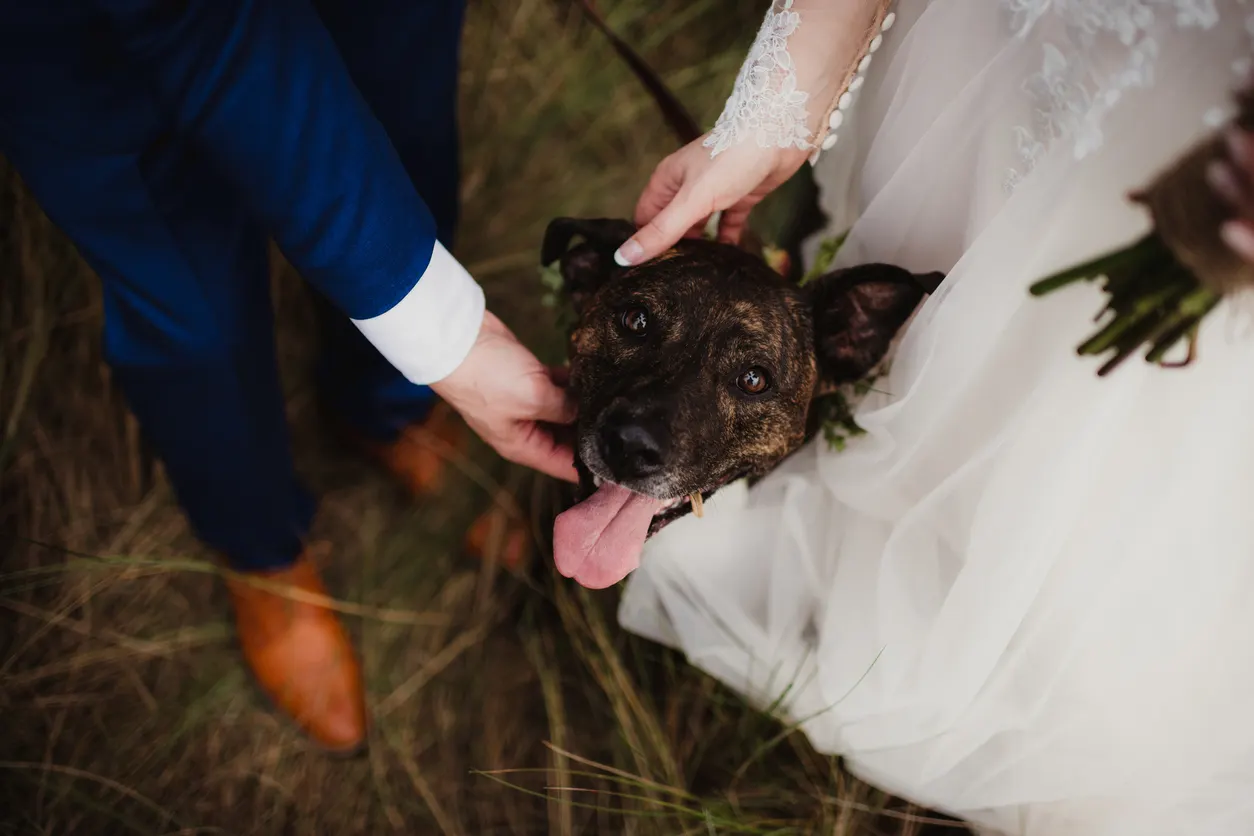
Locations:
598 542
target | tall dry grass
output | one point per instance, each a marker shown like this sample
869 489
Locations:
502 704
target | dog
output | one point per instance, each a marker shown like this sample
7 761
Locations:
694 370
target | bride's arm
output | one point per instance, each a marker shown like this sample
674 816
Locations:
790 90
803 61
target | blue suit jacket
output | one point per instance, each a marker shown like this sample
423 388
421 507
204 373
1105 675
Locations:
260 87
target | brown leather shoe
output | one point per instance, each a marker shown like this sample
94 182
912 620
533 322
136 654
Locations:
419 457
300 654
501 535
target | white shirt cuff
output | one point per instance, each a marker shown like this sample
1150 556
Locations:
428 333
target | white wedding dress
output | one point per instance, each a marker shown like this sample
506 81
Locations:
1026 596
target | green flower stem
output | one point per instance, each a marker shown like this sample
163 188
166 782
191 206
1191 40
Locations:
1138 315
1184 325
1126 260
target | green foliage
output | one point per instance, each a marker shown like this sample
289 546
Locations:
1153 301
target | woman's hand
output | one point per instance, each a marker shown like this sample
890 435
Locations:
1234 182
791 78
689 186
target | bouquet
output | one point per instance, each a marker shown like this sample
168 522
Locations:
1161 287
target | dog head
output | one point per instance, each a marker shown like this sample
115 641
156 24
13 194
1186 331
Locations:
696 369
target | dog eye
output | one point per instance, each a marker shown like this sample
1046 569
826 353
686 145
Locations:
634 321
754 381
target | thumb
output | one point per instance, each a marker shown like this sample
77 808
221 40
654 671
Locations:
552 403
540 451
664 231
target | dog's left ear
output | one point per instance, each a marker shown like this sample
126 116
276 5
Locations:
590 263
857 313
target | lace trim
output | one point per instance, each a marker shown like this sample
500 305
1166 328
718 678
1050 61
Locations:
765 103
1073 92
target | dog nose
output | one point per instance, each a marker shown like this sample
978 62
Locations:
632 449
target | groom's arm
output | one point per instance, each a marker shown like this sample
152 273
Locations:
260 86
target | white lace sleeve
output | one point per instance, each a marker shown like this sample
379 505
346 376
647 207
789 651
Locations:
807 51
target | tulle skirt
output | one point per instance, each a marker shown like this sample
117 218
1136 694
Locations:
1026 595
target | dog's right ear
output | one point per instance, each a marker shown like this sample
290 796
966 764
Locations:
589 264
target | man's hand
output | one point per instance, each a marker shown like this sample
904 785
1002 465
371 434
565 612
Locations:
503 391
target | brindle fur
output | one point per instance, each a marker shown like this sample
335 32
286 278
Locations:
714 311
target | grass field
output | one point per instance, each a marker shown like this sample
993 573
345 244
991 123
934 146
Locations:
503 703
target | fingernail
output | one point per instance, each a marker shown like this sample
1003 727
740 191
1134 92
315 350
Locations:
1240 237
628 254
